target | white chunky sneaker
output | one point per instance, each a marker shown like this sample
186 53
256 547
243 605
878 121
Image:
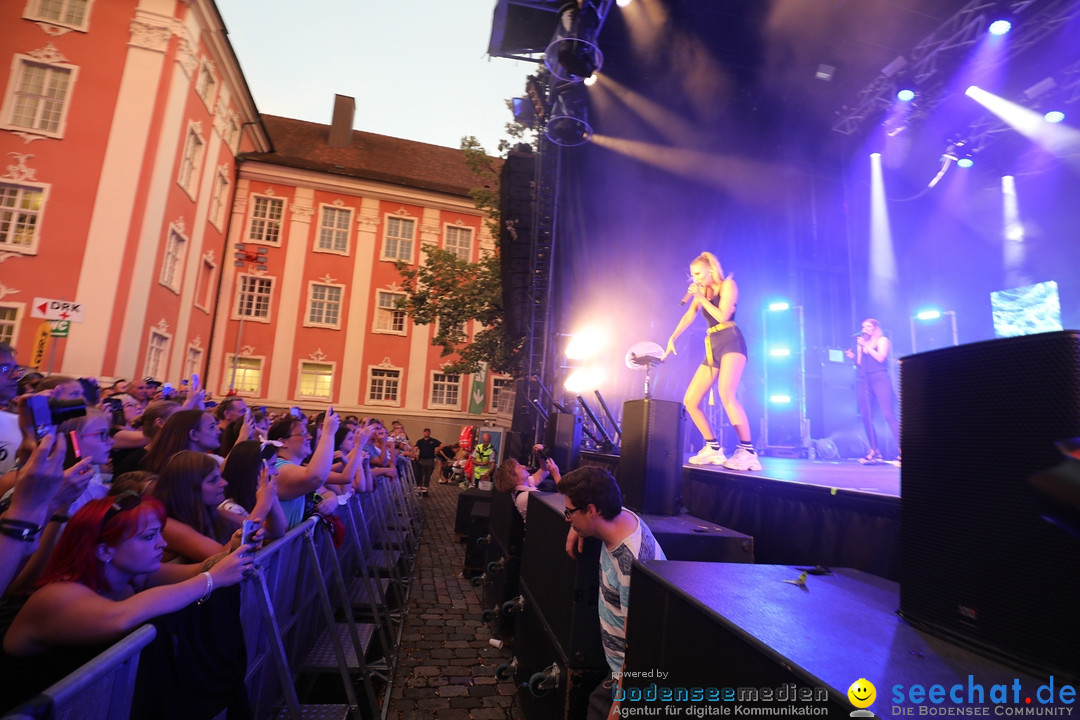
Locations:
708 456
743 460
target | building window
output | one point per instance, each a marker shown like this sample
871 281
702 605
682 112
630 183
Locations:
172 266
384 385
206 83
316 379
218 197
265 226
192 160
253 297
334 229
245 373
444 390
39 98
21 207
204 284
193 362
389 318
324 305
233 133
398 241
9 322
497 385
69 13
156 353
458 240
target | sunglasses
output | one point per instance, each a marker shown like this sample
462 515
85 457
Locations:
127 500
102 435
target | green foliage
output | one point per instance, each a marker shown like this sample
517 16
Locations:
450 291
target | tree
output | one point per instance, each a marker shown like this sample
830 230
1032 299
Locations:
450 291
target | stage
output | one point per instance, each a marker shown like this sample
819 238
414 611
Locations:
800 512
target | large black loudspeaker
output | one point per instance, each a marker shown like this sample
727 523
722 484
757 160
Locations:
515 239
651 458
563 440
564 592
977 562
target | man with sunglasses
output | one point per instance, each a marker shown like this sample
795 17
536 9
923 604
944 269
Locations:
594 509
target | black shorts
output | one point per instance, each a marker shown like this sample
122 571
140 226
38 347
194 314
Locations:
728 340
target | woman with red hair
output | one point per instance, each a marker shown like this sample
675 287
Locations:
105 579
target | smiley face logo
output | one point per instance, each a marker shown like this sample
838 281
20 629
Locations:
862 693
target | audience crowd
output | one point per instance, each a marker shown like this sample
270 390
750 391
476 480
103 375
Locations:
126 504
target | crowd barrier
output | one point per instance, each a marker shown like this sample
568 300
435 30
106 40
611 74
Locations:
317 605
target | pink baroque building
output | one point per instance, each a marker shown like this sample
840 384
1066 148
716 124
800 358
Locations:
120 124
308 311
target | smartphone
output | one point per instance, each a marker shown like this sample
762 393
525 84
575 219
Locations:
40 415
247 533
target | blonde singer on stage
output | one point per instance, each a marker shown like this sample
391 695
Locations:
725 358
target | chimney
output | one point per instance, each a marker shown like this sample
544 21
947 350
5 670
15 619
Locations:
342 125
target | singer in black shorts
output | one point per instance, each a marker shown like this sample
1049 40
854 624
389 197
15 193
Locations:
725 359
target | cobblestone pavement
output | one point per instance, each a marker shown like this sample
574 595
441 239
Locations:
447 667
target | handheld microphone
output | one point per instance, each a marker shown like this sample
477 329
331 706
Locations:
686 298
858 334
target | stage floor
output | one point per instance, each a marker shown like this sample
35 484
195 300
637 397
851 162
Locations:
847 475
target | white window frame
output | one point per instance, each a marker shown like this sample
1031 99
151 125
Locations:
192 159
33 12
300 374
206 83
322 228
386 256
193 361
236 314
205 288
50 60
431 395
396 402
172 261
447 228
308 322
380 315
14 324
21 186
233 132
260 360
253 204
493 396
157 353
218 197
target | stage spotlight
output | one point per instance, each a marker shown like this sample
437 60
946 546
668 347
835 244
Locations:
569 122
779 306
973 90
965 162
926 315
622 3
780 399
524 114
1054 116
1000 27
585 344
591 80
905 95
573 55
875 156
583 380
780 352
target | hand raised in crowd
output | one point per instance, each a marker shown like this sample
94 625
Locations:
331 422
196 396
39 480
247 427
232 568
553 470
76 479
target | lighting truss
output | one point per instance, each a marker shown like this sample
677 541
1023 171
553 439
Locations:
933 56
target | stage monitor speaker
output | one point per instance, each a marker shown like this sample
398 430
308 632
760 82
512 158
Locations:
563 440
977 562
651 457
565 591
